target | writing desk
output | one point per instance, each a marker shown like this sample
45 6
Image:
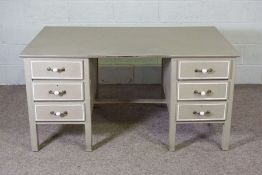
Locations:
61 70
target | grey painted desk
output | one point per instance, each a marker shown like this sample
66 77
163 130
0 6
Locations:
61 71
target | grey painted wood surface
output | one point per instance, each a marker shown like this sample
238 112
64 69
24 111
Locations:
49 69
202 90
198 48
30 105
220 69
227 125
78 42
74 112
185 111
58 91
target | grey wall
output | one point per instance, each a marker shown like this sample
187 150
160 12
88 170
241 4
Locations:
239 20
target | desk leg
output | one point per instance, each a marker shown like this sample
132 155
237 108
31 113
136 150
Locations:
169 84
226 135
88 136
172 131
34 137
97 78
30 105
90 92
227 124
162 80
227 127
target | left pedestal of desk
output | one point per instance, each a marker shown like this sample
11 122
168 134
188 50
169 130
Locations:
60 91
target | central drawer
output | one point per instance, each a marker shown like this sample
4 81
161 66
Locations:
58 91
203 90
60 112
200 111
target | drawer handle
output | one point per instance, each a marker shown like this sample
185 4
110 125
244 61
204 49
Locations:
202 93
202 113
57 93
204 71
56 69
59 114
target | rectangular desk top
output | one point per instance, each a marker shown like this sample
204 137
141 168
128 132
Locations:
80 42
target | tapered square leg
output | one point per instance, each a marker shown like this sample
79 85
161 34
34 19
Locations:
172 136
227 125
90 93
226 135
88 136
30 105
169 86
34 137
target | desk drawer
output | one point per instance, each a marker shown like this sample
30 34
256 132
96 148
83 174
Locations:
58 91
203 69
202 90
57 69
201 111
60 112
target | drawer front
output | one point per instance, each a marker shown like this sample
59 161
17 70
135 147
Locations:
202 90
204 69
57 69
58 91
201 111
59 112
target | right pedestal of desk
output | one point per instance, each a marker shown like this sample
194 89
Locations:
199 90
